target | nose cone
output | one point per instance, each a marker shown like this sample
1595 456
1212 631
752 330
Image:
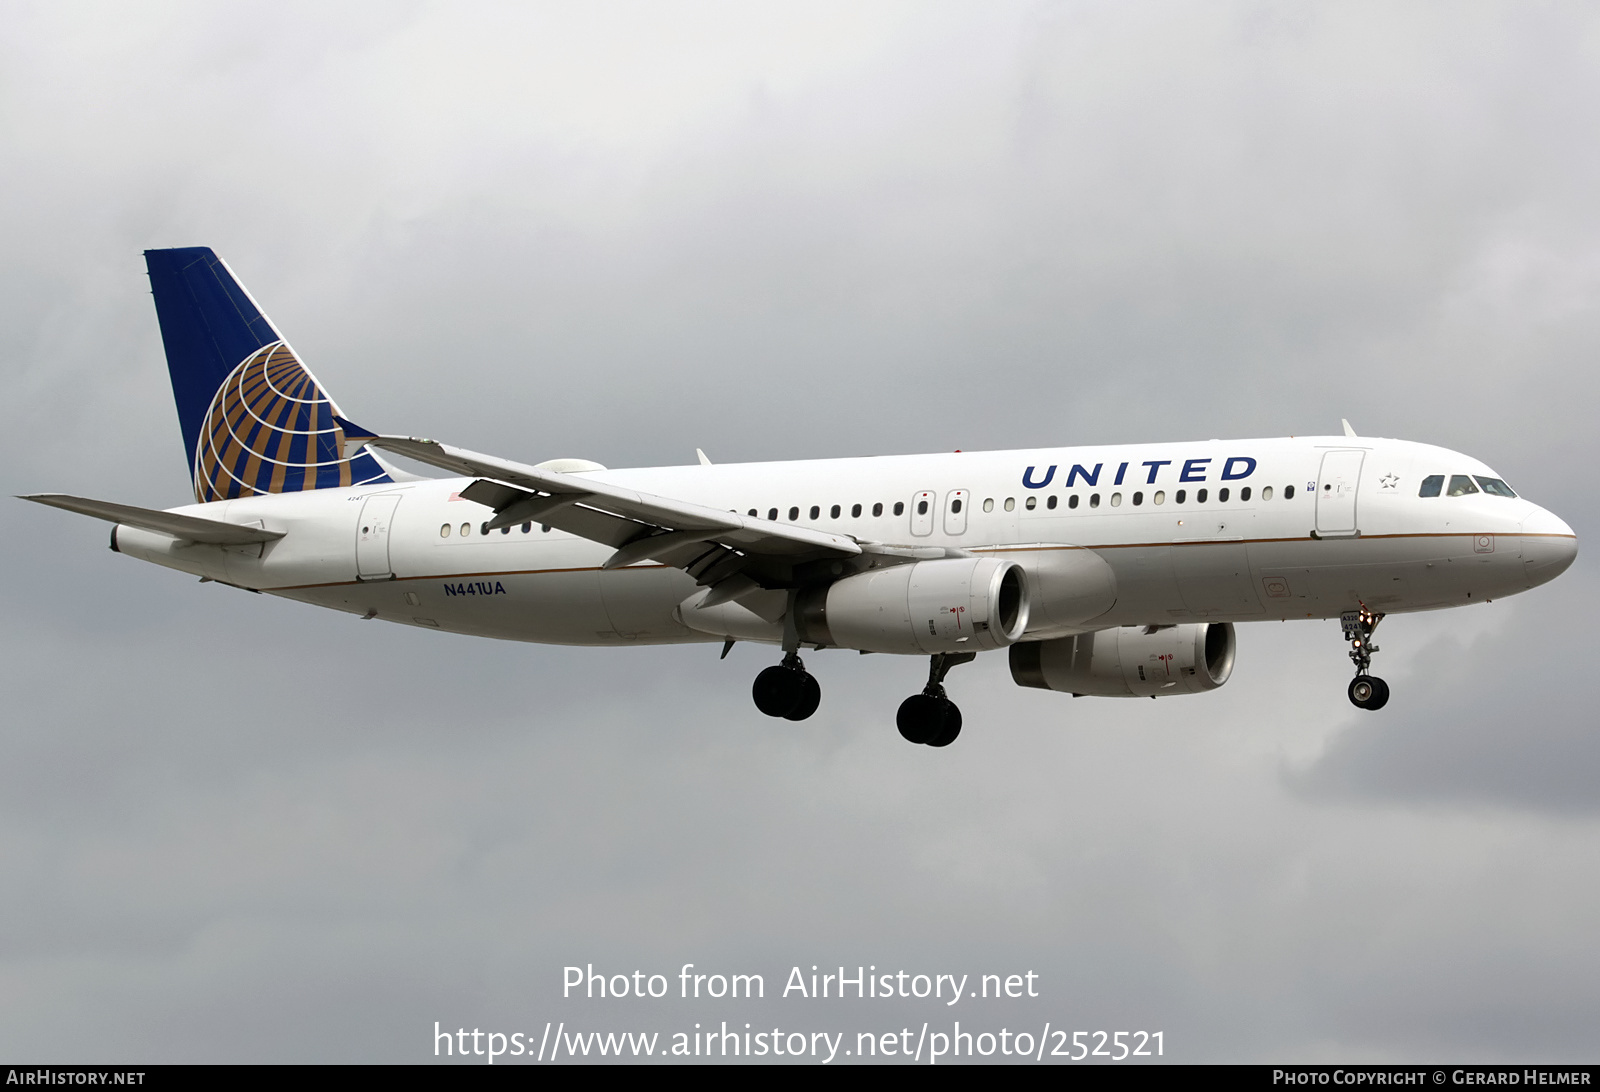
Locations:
1548 546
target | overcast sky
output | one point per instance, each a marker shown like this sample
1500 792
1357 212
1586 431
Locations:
237 828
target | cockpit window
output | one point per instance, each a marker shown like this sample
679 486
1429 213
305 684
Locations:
1460 486
1494 486
1431 485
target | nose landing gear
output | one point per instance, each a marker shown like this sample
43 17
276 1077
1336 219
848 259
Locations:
1366 691
930 717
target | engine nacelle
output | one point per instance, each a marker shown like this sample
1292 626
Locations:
949 605
1129 662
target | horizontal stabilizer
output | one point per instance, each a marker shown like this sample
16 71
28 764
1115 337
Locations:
192 528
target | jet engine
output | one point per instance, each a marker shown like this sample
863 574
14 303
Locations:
948 605
1129 662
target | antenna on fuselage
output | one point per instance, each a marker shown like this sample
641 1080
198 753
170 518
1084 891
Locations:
1348 431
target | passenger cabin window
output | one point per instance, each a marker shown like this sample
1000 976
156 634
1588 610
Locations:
444 532
466 529
1244 494
833 513
1160 497
815 511
922 508
1116 500
1138 499
794 514
1031 503
855 511
1011 504
1432 486
1460 486
1222 496
1072 501
1199 496
1094 500
772 513
1494 486
1181 496
1051 503
988 504
877 509
899 508
1288 492
1266 492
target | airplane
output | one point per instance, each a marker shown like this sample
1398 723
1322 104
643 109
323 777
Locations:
1111 570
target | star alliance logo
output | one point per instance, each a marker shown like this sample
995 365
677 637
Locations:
1389 481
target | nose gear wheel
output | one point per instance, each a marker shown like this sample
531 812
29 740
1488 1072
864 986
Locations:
1368 693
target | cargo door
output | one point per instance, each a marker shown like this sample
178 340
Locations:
1214 578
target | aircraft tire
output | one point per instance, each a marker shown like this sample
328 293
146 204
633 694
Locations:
921 717
811 697
778 691
1369 693
952 726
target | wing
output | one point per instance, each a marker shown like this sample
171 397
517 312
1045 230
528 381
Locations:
731 553
190 528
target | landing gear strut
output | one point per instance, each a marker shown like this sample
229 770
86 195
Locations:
930 717
1366 691
788 690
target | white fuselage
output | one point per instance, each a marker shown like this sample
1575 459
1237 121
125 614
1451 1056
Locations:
1330 524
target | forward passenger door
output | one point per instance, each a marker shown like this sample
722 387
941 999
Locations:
1336 493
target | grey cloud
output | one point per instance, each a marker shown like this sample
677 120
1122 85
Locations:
1506 719
236 828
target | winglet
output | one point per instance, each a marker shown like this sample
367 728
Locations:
1348 431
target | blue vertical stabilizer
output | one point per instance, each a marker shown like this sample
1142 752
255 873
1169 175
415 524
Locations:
254 419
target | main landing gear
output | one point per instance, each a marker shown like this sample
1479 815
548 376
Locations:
930 717
788 690
1366 691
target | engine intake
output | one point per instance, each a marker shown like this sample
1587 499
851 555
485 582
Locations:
1129 662
948 605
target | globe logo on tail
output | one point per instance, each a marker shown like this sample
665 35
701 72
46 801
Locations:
270 428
